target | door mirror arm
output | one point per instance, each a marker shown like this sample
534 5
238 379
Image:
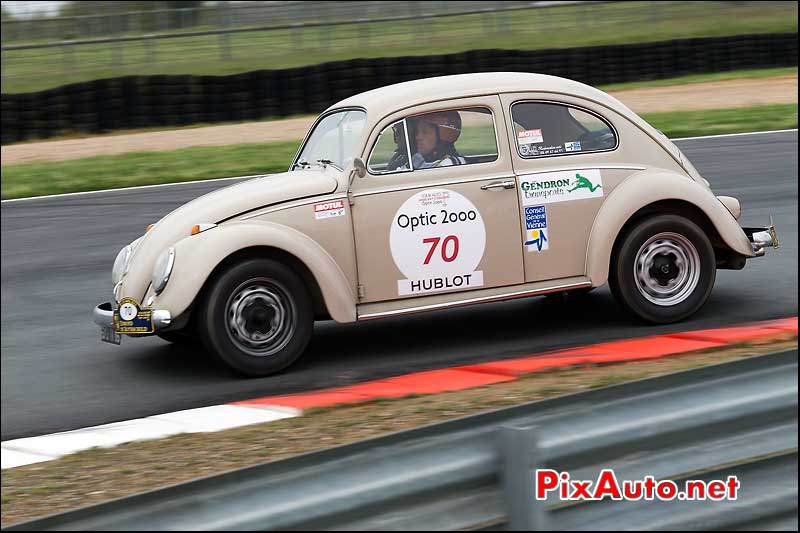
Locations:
359 169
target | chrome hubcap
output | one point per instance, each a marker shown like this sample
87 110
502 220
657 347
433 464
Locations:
260 317
667 269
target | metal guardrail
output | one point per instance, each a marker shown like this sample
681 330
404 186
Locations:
229 36
44 52
417 15
115 19
475 473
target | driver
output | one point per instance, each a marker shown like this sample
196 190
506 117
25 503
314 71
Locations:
435 136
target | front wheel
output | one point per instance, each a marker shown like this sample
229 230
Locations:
663 269
257 317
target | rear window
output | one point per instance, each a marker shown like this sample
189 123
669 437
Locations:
546 129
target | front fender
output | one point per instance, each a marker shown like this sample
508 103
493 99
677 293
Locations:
641 190
197 256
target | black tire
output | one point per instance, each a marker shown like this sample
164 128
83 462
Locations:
663 269
257 317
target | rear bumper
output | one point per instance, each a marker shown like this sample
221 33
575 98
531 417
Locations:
103 316
763 238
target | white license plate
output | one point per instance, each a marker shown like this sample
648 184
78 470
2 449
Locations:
109 335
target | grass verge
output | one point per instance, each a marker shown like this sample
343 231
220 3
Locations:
94 476
145 168
678 124
189 164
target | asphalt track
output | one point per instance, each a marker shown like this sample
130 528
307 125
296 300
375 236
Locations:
56 265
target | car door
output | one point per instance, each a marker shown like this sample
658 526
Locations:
426 228
567 158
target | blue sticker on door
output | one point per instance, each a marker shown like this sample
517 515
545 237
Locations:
536 232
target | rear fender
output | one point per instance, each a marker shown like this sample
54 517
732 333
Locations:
645 188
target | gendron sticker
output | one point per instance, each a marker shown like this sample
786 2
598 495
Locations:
437 240
561 186
334 208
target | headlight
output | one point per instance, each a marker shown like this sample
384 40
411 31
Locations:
121 264
162 270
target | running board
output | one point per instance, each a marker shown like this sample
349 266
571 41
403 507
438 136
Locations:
437 302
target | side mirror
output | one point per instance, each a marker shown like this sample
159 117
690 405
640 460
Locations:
360 168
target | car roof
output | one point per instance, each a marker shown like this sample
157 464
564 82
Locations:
385 100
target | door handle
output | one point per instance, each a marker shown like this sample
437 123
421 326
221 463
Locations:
505 184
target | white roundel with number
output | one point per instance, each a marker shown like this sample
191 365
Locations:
128 311
437 240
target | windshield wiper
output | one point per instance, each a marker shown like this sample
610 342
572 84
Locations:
326 162
305 164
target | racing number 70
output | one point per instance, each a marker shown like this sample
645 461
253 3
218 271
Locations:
434 242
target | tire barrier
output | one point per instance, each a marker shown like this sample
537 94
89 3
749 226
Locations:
133 102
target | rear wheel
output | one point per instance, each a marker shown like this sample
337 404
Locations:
257 317
663 270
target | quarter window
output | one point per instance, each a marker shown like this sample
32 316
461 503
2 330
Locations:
390 153
434 140
547 129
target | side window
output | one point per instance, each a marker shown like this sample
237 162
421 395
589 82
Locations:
390 153
547 129
439 139
453 137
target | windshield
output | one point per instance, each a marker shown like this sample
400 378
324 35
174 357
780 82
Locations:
333 140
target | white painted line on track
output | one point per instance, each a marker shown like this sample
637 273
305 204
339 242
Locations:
733 135
222 417
64 195
12 458
30 450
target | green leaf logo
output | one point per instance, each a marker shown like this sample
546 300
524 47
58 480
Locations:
582 182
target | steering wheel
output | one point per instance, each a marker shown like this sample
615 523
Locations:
597 140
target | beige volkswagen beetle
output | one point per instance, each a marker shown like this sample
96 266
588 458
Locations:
428 195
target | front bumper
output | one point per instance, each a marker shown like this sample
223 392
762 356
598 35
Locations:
103 316
763 238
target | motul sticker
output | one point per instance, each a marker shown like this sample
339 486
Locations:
437 240
529 137
330 209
